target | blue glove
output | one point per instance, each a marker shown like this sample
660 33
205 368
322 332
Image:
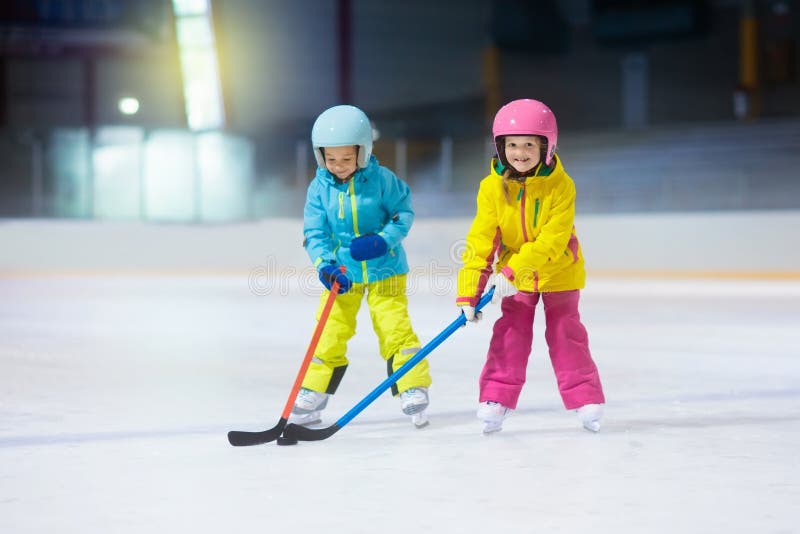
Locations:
331 273
368 247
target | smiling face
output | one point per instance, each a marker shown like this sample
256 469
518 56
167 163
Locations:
341 160
523 152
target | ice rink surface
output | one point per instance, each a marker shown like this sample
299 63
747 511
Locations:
116 394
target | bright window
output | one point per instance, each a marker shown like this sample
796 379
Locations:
190 7
201 84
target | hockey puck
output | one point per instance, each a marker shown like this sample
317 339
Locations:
286 441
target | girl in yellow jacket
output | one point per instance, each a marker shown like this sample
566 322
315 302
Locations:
524 219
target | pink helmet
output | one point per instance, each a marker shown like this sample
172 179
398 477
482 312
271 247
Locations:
525 117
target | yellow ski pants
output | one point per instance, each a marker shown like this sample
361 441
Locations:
388 309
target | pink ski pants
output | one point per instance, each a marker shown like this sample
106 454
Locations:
503 373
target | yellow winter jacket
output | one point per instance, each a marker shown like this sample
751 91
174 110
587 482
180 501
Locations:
533 235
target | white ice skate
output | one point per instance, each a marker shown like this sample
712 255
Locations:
420 419
589 415
310 401
413 402
305 419
492 414
308 406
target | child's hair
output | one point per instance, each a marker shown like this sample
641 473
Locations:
506 177
322 150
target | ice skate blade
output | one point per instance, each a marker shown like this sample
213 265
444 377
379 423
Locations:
300 422
490 428
420 420
592 426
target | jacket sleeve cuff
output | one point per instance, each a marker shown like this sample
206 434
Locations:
391 241
467 301
464 301
322 261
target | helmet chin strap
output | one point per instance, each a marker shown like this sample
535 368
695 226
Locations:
514 174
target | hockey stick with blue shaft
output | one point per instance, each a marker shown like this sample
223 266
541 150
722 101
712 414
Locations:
295 432
242 438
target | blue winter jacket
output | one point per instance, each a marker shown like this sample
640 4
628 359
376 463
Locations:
374 201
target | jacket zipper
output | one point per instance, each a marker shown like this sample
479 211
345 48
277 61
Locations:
352 192
522 214
536 218
341 204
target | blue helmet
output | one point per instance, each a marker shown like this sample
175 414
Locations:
342 126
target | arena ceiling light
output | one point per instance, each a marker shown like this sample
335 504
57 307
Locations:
128 105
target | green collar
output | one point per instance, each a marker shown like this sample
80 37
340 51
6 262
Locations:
540 170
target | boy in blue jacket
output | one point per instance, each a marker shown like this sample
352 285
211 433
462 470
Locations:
356 214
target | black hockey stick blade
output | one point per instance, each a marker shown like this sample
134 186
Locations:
241 438
301 433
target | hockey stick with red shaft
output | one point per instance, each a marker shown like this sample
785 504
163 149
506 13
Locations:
241 438
295 432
